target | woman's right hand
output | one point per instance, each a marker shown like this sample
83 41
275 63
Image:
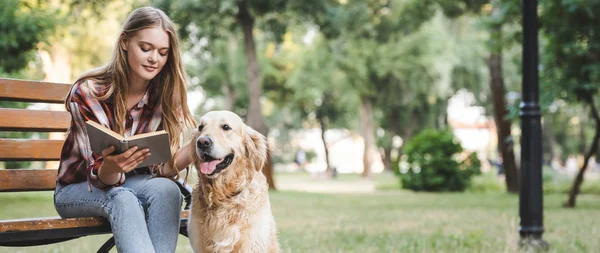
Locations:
125 162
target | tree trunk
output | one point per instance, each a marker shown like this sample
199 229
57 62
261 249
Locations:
255 118
409 131
386 155
579 179
368 133
582 136
386 158
230 96
441 112
329 169
505 140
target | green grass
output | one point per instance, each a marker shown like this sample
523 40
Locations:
387 221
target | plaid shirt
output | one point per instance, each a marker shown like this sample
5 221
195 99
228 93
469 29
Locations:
77 162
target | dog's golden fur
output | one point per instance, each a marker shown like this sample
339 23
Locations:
230 210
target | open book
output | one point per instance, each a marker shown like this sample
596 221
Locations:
102 137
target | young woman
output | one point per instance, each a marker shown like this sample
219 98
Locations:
141 90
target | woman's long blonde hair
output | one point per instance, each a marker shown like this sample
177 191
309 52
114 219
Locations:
171 79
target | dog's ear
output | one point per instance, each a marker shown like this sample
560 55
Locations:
256 147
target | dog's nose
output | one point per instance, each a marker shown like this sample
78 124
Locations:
204 142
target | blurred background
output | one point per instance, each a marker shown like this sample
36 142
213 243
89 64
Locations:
389 99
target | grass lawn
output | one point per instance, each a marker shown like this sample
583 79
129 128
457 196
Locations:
383 221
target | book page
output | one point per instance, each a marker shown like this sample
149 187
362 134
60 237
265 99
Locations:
101 138
104 129
157 142
144 135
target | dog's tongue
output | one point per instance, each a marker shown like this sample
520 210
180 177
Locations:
208 167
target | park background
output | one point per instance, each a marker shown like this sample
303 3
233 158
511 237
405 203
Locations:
393 125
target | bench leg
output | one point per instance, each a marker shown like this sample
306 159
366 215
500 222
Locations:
111 242
107 245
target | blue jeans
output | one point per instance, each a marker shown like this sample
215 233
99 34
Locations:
143 213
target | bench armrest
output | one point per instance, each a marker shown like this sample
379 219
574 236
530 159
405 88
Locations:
186 191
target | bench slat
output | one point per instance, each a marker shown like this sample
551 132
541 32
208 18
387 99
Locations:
31 232
30 150
27 180
33 91
23 120
50 223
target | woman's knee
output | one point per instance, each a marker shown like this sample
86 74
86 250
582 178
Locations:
122 199
166 189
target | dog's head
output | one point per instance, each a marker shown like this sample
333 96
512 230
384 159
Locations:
225 146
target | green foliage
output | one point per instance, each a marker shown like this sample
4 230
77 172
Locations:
433 165
572 59
570 71
454 9
310 155
212 19
317 87
208 25
391 56
376 42
21 28
221 73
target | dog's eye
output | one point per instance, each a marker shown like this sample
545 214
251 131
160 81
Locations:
226 127
200 127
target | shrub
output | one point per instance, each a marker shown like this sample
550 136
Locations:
432 163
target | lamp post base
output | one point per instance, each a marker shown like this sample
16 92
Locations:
532 244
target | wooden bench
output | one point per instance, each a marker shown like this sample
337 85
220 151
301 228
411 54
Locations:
48 230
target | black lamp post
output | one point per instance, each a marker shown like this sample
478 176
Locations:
530 196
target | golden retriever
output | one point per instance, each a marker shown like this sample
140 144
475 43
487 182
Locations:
230 210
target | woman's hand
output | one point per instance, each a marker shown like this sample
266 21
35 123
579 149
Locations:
114 165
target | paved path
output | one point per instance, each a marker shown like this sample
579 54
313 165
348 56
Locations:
325 186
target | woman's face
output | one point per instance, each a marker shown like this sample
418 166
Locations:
147 53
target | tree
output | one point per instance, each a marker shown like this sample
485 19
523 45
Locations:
22 26
361 32
498 17
215 19
501 11
318 90
220 71
427 72
572 63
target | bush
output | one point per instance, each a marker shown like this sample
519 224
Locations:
432 163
